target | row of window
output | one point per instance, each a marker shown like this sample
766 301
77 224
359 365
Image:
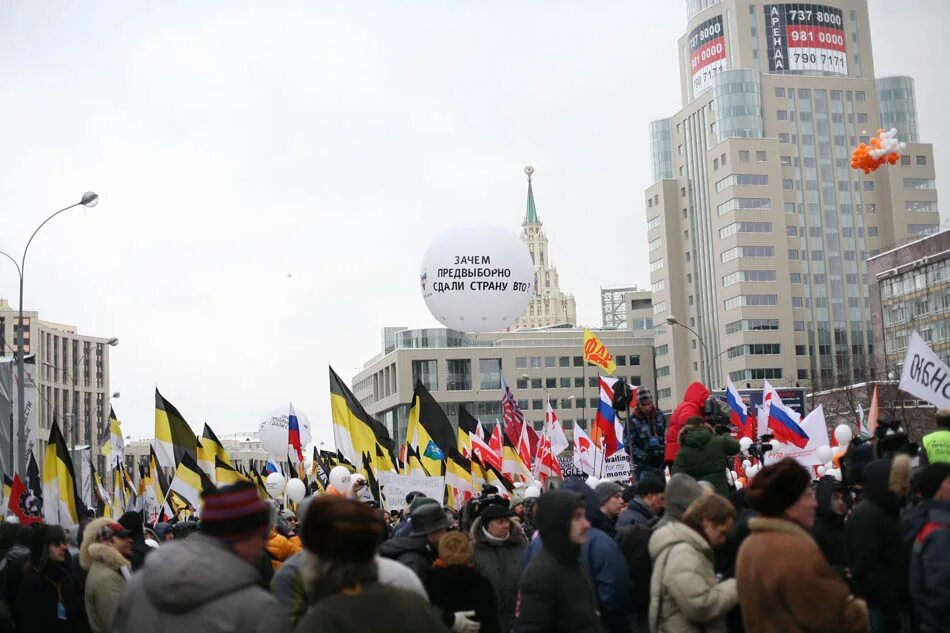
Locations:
750 301
761 373
743 203
744 227
742 179
547 362
925 277
755 349
805 93
747 251
819 255
748 276
567 382
751 325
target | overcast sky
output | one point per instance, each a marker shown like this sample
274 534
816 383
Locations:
270 176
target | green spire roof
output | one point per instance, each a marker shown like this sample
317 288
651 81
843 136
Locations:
531 213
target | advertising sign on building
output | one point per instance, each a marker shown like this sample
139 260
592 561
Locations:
805 37
707 53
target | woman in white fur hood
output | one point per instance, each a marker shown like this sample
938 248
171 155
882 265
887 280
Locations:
104 554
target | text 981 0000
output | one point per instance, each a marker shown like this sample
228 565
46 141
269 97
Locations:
707 53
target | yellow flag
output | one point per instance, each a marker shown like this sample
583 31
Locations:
596 353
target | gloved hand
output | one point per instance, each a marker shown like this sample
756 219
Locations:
464 622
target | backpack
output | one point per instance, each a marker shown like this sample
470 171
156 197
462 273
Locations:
634 540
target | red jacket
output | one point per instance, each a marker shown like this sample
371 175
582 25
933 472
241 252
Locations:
692 404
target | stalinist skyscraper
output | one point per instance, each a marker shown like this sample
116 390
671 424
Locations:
549 305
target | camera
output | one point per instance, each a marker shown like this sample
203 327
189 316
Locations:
761 446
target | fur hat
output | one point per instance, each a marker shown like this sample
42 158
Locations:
778 487
650 484
495 511
605 490
343 530
455 549
644 394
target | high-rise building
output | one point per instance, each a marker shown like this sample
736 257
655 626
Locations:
759 230
71 374
549 305
613 307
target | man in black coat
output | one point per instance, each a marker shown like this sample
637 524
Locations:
878 556
556 593
420 549
828 530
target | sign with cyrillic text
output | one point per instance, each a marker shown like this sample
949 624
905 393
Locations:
924 375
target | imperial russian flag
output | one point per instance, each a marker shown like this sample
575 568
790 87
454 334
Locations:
739 411
783 422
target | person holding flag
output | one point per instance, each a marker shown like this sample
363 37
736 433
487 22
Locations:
647 433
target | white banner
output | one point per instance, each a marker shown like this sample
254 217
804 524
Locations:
616 467
924 375
394 487
816 428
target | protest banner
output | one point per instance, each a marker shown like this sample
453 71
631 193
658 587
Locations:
394 487
924 375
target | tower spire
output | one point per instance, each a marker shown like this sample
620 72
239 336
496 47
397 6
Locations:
531 213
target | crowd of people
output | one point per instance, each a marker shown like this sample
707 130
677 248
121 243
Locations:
684 554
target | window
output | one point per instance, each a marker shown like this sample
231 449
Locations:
743 203
859 95
799 350
919 183
521 362
918 206
578 383
662 350
537 404
751 325
804 93
745 227
748 276
653 223
742 179
426 372
795 278
564 383
791 231
782 115
783 137
489 370
658 285
550 383
522 383
659 307
793 253
682 192
779 92
750 301
663 371
872 231
743 156
921 160
537 383
592 381
765 373
523 405
664 394
869 185
786 161
789 207
761 156
797 302
722 159
788 184
459 376
905 160
578 361
634 360
747 251
535 362
715 164
921 229
862 117
655 244
564 361
656 265
549 361
755 349
567 403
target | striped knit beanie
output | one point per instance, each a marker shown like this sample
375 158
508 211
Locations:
232 513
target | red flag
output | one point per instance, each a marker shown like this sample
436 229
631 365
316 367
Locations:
546 465
28 508
487 453
497 447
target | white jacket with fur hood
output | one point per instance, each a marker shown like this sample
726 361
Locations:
106 578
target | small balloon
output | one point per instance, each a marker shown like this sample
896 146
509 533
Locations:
843 434
296 490
532 492
340 479
274 484
745 443
746 464
824 454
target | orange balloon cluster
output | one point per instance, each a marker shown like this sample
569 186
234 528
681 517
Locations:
883 149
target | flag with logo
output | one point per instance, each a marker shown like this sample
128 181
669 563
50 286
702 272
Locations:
22 503
586 454
595 353
429 433
188 484
61 503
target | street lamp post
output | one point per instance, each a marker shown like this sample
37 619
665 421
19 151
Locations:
89 199
707 360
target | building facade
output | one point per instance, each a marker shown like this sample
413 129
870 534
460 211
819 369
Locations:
462 369
549 306
639 312
72 377
758 228
613 307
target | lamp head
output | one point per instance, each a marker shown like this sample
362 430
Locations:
89 199
116 394
672 320
112 341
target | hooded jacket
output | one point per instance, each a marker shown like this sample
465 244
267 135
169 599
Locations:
604 562
107 570
785 585
556 594
684 594
455 588
197 584
878 555
500 563
702 455
828 529
415 552
636 513
693 401
930 570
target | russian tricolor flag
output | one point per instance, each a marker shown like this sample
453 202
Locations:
604 432
293 435
783 422
739 412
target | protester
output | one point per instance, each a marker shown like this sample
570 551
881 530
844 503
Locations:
207 582
420 549
529 519
703 454
935 446
828 531
404 528
290 519
343 535
785 585
556 594
279 547
132 521
48 600
684 593
692 406
645 503
12 568
499 547
105 554
610 499
164 532
647 436
878 554
454 585
930 561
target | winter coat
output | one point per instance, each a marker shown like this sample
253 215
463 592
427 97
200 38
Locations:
280 549
828 529
415 552
197 584
104 583
785 585
11 574
461 588
556 595
500 564
374 607
38 598
930 570
879 556
702 456
648 440
693 402
636 513
684 594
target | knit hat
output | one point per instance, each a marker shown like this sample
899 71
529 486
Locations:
132 521
344 530
681 490
233 512
605 490
650 485
929 479
495 511
644 394
428 518
778 487
455 549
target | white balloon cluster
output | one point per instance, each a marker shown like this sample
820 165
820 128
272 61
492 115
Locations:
889 144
